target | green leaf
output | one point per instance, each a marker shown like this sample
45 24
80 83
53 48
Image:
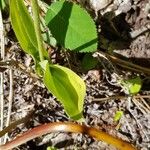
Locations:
23 27
72 26
51 148
89 62
134 85
118 115
67 86
2 4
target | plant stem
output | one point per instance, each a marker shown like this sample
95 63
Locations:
67 127
35 9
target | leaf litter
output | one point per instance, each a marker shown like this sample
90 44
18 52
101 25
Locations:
134 124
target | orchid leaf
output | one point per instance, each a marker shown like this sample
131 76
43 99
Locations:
67 86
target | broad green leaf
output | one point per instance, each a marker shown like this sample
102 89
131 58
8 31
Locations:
133 85
67 86
23 27
118 115
72 26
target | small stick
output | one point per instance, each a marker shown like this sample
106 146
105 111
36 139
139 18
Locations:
2 38
118 97
144 102
123 63
10 100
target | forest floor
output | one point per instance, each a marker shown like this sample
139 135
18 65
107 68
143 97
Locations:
104 96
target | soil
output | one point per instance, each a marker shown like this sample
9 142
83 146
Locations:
129 18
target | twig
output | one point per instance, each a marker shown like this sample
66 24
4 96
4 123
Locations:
100 56
1 74
139 106
138 123
137 33
10 100
1 104
118 97
108 98
125 64
67 127
144 102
